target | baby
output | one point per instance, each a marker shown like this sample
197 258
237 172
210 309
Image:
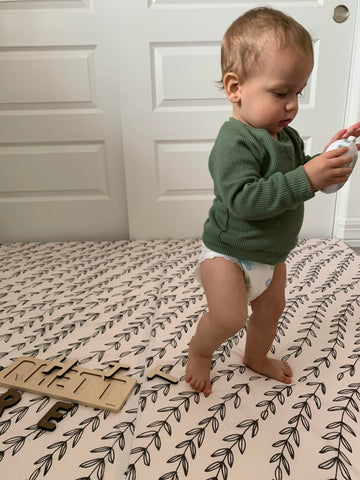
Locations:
262 178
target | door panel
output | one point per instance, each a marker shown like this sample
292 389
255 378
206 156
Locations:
60 132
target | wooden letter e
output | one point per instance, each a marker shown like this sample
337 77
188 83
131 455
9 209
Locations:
53 414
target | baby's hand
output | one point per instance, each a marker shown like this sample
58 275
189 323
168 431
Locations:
328 168
354 131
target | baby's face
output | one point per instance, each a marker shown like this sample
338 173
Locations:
269 94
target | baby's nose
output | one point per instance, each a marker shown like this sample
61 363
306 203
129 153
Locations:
292 104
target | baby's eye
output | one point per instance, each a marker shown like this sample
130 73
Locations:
279 94
300 94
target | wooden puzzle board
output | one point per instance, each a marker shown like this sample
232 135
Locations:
76 384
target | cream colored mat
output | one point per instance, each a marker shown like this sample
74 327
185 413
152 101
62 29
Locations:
137 303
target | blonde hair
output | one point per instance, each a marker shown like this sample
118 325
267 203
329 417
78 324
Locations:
248 36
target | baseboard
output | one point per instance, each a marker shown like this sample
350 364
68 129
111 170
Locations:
348 230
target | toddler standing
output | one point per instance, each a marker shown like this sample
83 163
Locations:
262 178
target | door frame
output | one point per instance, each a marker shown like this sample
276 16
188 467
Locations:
346 225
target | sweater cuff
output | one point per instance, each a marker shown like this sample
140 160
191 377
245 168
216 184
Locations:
300 184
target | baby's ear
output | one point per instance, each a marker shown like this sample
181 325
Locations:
232 87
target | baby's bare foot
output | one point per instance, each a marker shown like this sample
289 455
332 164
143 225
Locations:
273 368
198 371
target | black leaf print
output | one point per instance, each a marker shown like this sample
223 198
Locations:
16 443
340 447
227 455
292 432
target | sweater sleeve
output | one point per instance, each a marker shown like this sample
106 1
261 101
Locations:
248 194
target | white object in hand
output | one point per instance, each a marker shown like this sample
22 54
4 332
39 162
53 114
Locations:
345 142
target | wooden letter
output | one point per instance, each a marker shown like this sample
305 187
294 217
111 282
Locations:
53 414
157 372
64 367
115 367
8 399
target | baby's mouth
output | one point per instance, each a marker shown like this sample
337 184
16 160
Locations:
285 122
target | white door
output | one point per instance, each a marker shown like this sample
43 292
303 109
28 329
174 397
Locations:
172 108
60 153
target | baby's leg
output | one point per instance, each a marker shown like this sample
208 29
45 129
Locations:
225 291
261 329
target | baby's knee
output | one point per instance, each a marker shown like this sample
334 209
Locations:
278 307
232 322
272 309
281 306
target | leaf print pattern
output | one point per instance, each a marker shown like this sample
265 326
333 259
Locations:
137 302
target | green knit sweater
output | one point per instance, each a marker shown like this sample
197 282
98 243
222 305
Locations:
260 186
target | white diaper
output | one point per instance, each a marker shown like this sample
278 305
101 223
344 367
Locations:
257 275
